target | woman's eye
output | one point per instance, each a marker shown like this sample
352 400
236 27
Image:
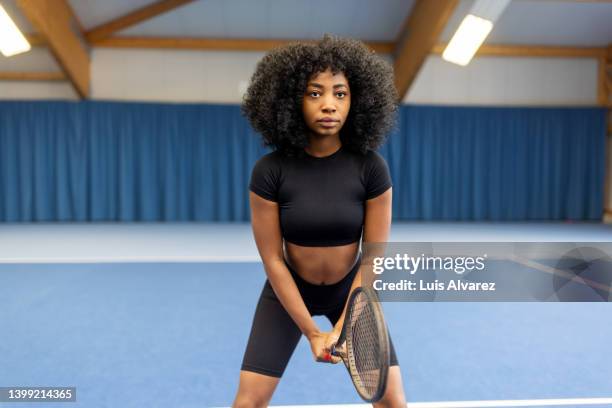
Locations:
317 93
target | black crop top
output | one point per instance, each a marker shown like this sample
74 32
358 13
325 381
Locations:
321 199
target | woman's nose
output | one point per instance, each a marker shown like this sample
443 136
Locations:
328 106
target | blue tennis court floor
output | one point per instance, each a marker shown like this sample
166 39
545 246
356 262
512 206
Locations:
173 334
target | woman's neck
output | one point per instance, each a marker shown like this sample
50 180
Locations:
321 147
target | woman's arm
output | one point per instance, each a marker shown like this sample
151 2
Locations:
266 229
376 229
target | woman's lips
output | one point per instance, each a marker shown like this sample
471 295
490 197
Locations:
327 124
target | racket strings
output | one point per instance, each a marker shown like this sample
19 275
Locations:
366 347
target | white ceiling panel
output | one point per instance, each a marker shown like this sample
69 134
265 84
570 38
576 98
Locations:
92 13
373 20
545 22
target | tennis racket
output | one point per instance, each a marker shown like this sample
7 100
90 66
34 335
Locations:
363 344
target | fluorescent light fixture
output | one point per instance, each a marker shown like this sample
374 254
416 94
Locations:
474 30
467 39
11 40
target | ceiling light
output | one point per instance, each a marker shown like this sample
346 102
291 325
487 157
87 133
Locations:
467 39
11 40
473 30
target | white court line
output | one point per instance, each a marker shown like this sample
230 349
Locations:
479 404
559 272
131 259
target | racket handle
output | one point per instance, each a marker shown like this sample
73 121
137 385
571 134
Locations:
338 352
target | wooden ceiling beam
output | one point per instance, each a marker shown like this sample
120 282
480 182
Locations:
533 51
417 38
219 44
53 20
32 76
602 82
135 17
36 40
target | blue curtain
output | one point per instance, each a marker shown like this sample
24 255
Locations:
111 161
499 164
101 161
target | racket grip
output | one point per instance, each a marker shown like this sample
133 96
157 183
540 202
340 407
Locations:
338 352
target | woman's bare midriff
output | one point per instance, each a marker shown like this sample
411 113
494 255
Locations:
321 265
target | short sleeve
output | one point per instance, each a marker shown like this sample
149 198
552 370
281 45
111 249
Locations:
265 177
377 175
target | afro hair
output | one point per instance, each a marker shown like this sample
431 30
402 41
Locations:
273 100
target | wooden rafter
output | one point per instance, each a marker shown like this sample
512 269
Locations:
218 44
602 81
533 51
605 95
36 40
251 44
418 37
32 76
53 20
248 44
135 17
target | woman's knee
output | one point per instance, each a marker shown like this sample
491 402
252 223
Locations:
391 401
394 394
246 400
255 390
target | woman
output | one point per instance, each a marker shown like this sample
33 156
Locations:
324 107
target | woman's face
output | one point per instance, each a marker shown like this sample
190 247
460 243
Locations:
327 97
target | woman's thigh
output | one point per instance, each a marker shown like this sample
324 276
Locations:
273 338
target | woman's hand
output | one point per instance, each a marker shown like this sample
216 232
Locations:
321 344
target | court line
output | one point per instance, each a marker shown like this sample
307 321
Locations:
559 272
478 404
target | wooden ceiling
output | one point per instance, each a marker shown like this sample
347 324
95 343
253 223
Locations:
60 29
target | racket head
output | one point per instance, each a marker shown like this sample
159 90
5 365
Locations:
366 344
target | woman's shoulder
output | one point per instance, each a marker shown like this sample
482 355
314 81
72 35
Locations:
374 159
373 155
370 157
272 158
273 163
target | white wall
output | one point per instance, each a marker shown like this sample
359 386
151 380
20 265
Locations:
171 76
507 81
221 77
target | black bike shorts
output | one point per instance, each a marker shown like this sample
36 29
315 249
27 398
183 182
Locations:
274 335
